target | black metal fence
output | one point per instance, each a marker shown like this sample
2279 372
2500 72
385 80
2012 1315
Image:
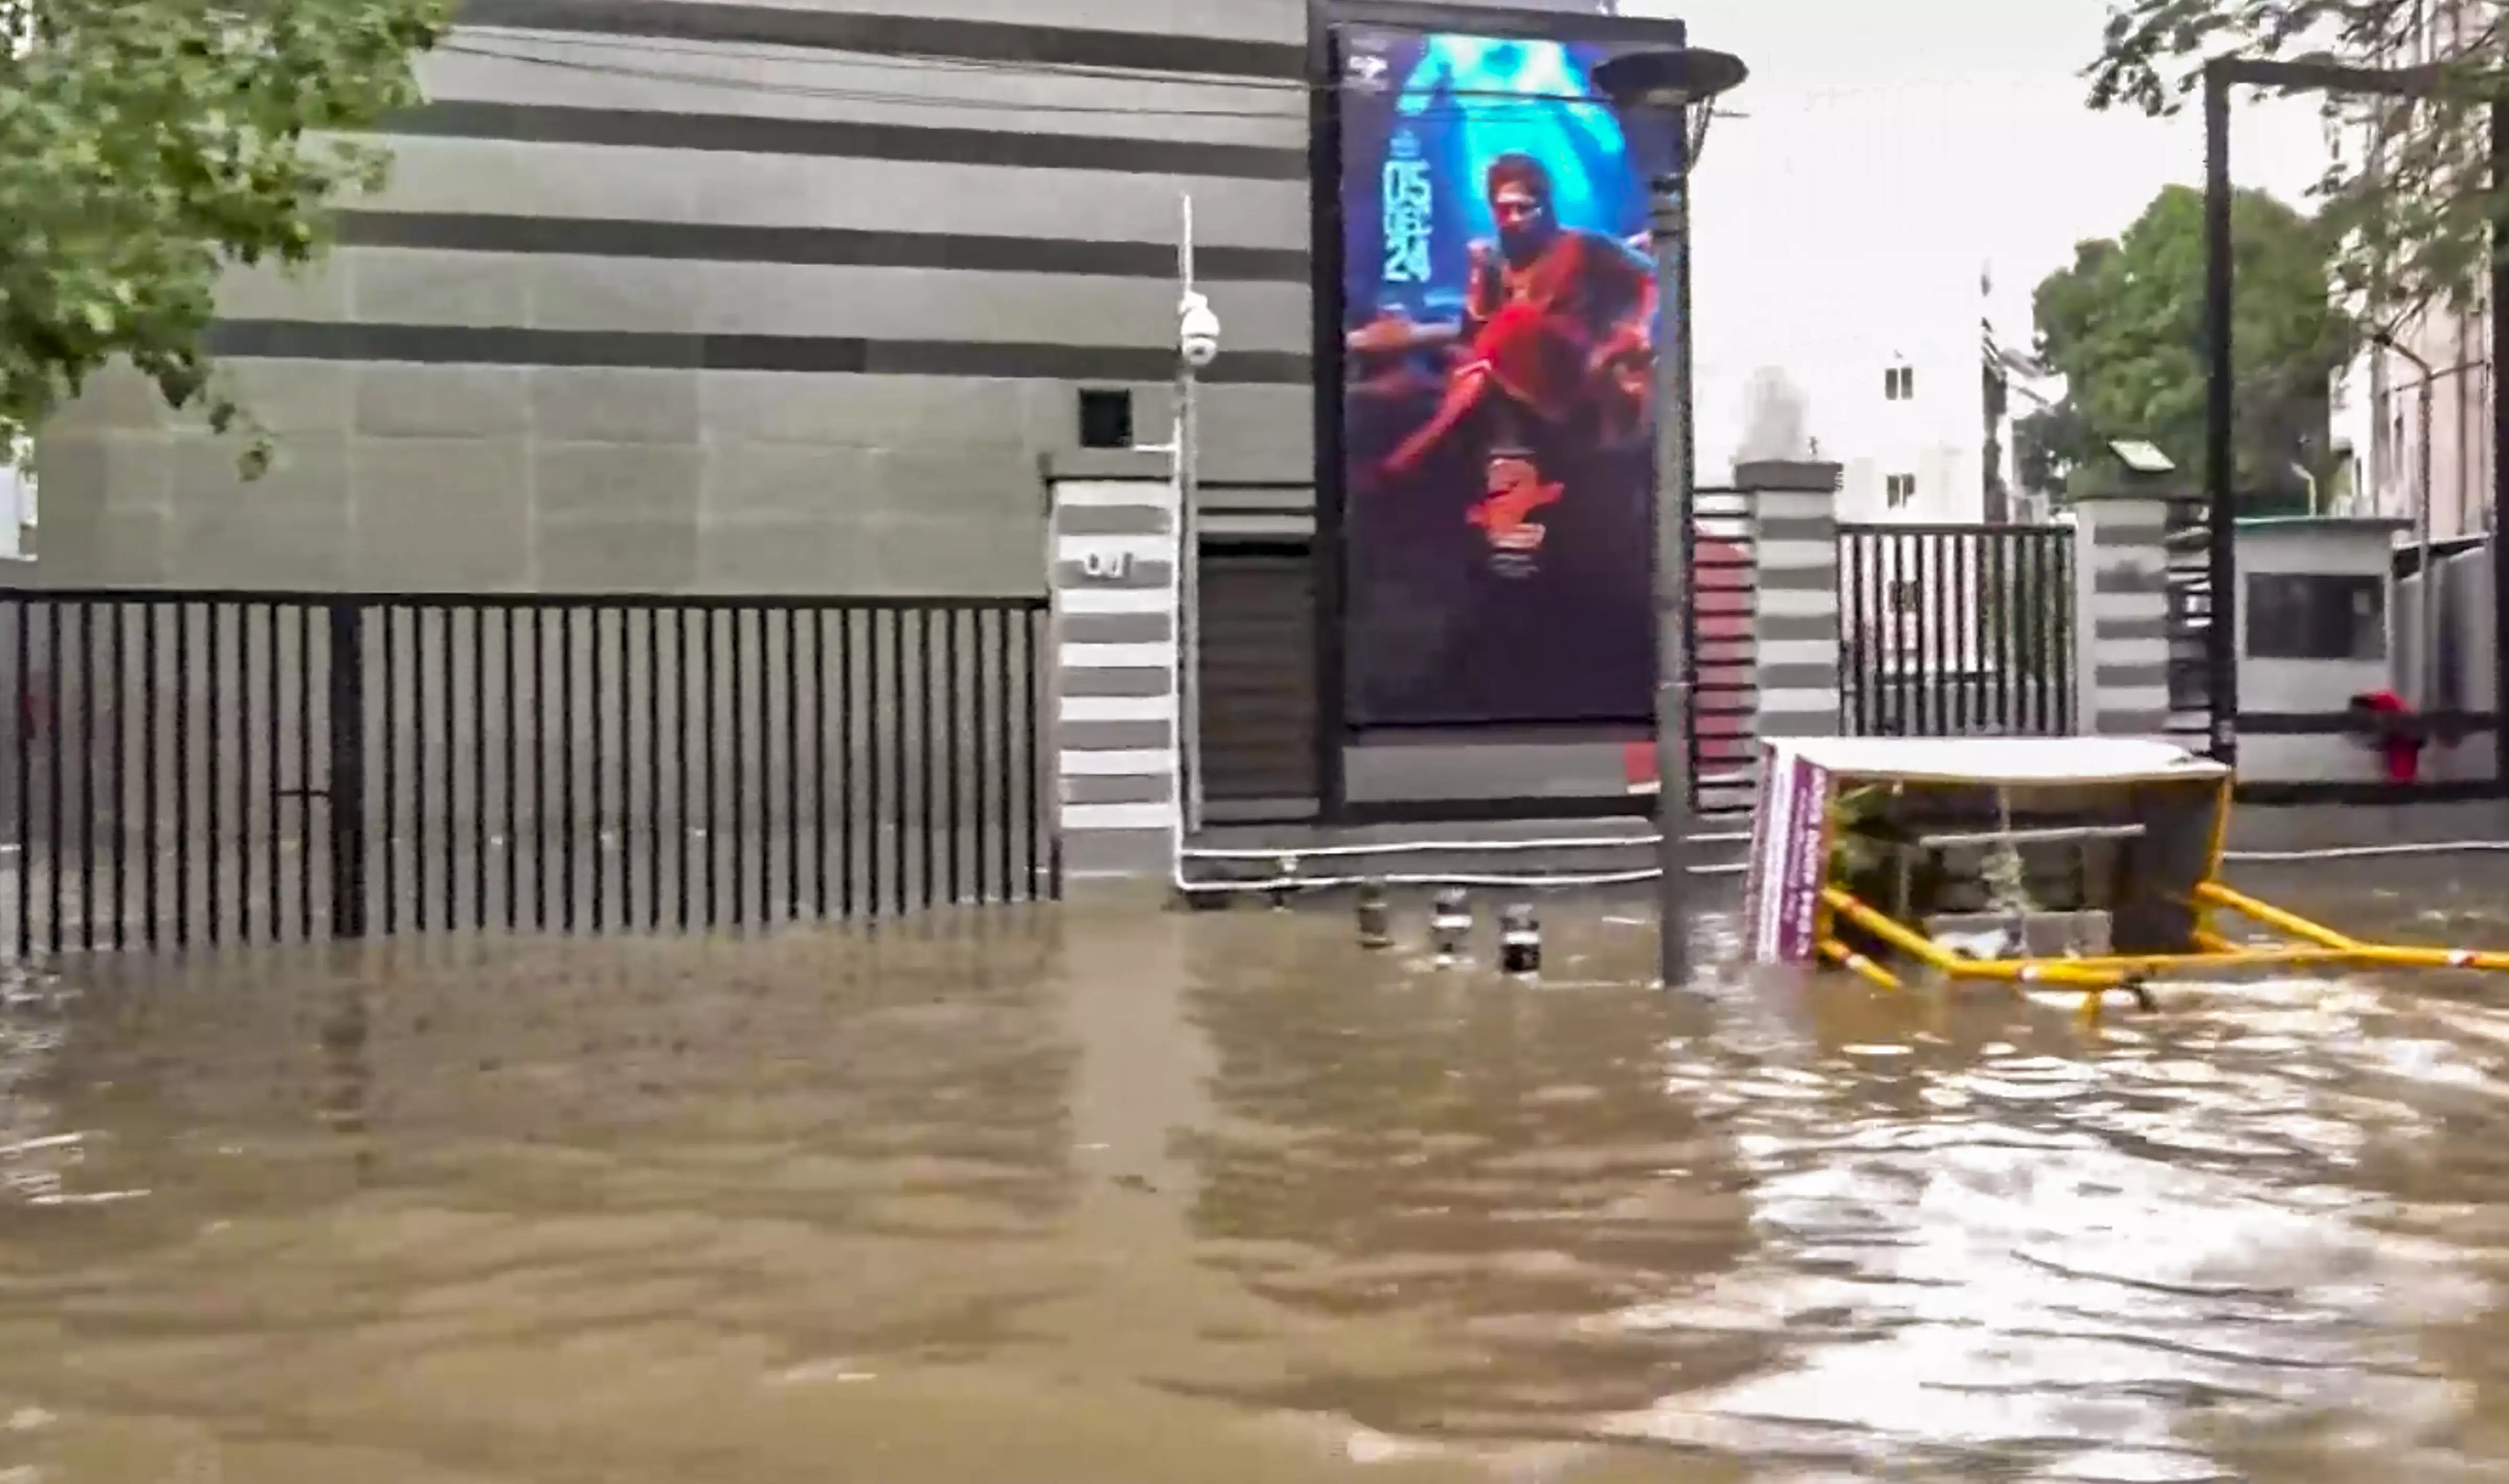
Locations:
207 768
1956 630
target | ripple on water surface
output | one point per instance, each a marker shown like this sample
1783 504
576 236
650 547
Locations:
1112 1198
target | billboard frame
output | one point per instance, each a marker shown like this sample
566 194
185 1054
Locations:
1330 552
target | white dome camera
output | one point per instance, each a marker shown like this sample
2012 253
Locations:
1197 331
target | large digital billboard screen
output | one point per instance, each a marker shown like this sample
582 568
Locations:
1500 319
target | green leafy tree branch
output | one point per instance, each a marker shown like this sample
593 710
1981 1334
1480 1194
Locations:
2406 204
2124 325
145 145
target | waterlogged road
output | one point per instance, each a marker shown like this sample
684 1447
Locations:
1083 1199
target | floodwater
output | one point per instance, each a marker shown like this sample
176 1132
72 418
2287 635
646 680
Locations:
1094 1196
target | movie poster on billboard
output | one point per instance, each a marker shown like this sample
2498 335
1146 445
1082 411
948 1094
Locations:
1499 323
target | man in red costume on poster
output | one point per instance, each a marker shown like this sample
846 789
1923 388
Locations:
1537 419
1556 343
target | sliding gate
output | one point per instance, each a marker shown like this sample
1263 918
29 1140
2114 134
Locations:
1956 630
198 768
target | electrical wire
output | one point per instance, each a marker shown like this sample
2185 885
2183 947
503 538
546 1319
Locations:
1430 847
1545 882
804 54
2366 852
1489 102
1289 881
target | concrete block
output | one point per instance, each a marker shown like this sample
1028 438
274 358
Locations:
399 400
604 404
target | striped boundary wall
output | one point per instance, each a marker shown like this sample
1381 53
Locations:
1114 588
1794 513
2121 577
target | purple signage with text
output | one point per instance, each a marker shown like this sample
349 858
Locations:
1789 857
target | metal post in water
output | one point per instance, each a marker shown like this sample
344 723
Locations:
1670 220
2220 516
1519 940
1450 923
1671 82
2494 527
1283 882
1375 917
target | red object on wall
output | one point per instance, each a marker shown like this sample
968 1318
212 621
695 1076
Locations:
1721 584
2402 753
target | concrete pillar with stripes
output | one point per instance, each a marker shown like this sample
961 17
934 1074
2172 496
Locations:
1795 630
1112 530
2120 616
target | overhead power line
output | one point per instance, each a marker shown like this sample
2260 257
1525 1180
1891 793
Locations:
1293 93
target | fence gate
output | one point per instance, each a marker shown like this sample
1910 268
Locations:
1956 630
205 768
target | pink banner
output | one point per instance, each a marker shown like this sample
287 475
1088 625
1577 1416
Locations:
1790 857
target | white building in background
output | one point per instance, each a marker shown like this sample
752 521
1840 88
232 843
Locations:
16 502
2445 350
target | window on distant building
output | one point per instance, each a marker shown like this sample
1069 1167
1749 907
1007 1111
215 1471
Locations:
1897 490
1899 383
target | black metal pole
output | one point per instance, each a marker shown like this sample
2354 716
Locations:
348 719
2500 445
1667 221
2220 647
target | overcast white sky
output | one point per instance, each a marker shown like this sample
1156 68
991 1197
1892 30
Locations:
1890 152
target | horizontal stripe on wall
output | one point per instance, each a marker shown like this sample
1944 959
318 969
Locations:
896 35
1116 763
1116 600
1119 708
2312 723
743 134
1118 656
1118 816
469 345
817 246
667 185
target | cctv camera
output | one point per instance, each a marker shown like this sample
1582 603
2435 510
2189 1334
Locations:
1197 331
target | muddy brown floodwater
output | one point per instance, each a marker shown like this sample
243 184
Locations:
1086 1197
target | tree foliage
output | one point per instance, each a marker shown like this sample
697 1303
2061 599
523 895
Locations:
146 144
2124 326
2405 203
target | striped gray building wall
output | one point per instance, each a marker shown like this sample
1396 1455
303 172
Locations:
691 295
1796 626
1115 665
2121 623
694 295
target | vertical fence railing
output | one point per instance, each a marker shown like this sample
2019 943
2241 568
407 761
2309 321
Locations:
1725 695
198 769
1956 630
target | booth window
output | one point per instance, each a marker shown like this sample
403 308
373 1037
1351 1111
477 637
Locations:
2315 616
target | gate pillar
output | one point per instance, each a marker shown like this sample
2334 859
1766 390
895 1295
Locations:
1795 625
2122 616
1111 525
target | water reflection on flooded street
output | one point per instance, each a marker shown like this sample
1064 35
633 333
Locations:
1098 1197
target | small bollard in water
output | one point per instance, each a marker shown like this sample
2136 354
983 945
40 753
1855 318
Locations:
1289 870
1519 941
1375 917
1450 922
